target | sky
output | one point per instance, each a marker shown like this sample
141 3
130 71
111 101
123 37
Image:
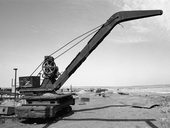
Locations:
134 53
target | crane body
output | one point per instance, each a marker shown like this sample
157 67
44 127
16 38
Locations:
42 100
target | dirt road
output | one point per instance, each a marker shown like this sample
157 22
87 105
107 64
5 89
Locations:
113 111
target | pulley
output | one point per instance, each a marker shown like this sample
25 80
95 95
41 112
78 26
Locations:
49 67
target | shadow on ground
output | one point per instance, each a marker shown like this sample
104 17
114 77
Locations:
48 121
60 116
96 108
147 121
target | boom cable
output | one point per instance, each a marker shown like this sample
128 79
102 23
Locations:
92 31
74 45
76 39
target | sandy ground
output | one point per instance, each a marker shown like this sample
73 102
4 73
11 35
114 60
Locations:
112 111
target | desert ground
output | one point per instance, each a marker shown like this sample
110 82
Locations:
112 110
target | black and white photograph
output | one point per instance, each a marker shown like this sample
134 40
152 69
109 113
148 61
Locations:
84 64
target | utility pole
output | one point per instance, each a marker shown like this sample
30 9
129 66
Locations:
71 90
15 81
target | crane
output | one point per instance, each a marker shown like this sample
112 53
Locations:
41 105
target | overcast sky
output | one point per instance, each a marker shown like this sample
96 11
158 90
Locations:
134 53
